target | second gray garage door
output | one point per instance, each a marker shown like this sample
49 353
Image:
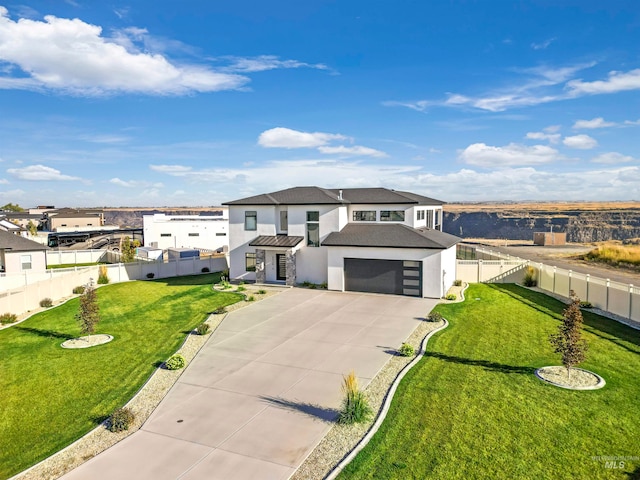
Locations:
396 277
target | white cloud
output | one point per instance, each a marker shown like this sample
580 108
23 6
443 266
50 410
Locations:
612 158
552 129
355 150
543 45
266 62
4 181
632 122
12 194
134 183
597 122
71 56
510 155
171 169
39 173
280 137
551 137
617 82
581 142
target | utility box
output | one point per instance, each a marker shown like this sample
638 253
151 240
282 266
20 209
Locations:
549 238
180 253
149 252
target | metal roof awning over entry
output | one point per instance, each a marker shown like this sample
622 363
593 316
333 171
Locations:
283 241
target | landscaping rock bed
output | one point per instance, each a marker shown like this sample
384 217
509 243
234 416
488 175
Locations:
578 380
87 341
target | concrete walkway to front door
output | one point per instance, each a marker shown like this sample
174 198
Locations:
264 389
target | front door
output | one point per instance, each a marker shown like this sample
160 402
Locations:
281 268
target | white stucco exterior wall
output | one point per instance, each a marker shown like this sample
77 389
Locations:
173 231
13 261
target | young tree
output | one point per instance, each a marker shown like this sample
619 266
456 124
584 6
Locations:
33 229
10 207
88 314
568 342
127 249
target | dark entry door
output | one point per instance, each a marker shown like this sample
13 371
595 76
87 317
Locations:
281 268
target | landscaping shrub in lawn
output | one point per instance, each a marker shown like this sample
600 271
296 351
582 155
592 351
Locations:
529 279
473 408
151 275
70 392
262 292
103 278
121 420
175 362
250 298
46 302
7 318
451 296
355 407
457 283
434 317
205 270
79 290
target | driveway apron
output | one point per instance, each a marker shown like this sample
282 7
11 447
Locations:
264 389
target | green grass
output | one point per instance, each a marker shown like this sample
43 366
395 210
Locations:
473 409
71 265
50 396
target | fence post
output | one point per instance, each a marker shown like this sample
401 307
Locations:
606 305
630 300
554 279
569 292
587 279
480 271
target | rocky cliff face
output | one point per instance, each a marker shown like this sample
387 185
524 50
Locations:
589 226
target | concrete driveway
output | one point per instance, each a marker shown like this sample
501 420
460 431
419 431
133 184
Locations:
264 389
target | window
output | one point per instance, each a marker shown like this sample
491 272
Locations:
165 234
250 261
420 215
392 215
221 234
284 221
313 229
250 220
194 234
364 216
438 219
25 260
429 218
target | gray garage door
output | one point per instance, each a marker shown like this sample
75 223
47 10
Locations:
397 277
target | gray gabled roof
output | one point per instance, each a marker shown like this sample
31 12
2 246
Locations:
16 243
324 196
275 241
395 235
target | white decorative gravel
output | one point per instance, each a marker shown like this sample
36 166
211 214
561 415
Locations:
577 379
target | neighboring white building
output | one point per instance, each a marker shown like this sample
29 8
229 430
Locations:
186 231
19 254
358 239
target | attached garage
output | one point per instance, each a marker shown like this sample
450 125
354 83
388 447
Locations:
397 277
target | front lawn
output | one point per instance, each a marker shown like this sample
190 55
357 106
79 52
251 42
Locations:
473 409
50 396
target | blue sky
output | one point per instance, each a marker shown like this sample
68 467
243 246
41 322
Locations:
197 102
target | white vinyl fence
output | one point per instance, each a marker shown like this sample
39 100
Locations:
20 293
617 298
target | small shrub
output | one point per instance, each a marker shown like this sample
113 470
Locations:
151 275
451 296
306 284
205 270
250 298
585 304
46 302
262 292
457 283
407 350
6 318
313 286
203 329
435 317
79 290
355 407
175 362
530 277
225 273
220 310
324 285
103 278
121 420
241 289
241 282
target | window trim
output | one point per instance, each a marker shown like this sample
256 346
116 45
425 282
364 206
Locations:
356 212
315 223
387 217
248 256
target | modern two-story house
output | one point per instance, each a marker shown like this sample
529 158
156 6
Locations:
355 239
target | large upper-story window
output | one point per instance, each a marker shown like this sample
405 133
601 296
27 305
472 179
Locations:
392 215
313 229
284 221
364 216
429 218
438 221
250 220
